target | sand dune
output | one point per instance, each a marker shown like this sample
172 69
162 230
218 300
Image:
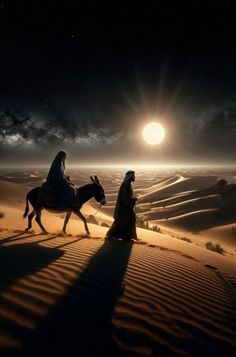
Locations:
209 204
224 234
179 184
62 295
159 296
163 183
12 193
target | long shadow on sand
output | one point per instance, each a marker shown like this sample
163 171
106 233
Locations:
81 323
19 236
18 261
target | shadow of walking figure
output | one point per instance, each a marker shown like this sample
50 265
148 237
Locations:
81 322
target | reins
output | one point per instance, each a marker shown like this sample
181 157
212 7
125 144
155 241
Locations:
95 204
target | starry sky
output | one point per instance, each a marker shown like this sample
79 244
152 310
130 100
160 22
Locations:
86 76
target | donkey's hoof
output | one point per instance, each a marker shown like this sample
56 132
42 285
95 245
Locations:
65 234
29 230
45 232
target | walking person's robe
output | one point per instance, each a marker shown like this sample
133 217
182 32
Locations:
124 225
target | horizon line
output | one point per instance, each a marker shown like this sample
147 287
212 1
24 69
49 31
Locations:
125 165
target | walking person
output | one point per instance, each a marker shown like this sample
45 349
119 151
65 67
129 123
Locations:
124 225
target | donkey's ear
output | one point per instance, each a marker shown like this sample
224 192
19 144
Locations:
92 179
97 180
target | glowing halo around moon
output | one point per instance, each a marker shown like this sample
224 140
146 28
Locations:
153 133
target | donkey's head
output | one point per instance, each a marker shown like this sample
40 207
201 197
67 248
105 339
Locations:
99 193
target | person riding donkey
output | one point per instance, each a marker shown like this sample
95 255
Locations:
58 188
59 194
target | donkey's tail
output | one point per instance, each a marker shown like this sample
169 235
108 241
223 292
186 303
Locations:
27 206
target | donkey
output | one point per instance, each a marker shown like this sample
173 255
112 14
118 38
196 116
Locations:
83 194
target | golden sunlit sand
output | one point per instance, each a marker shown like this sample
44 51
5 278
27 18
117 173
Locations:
164 295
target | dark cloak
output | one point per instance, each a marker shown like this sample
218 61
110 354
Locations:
124 225
63 191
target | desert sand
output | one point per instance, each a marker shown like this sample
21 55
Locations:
164 295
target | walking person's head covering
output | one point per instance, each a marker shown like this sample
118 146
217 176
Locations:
129 175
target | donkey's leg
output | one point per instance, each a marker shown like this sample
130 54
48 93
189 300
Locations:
66 221
79 214
30 217
38 219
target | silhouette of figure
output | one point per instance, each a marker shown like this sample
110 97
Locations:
61 188
124 225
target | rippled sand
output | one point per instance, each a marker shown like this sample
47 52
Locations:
164 295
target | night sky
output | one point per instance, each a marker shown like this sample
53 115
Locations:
86 77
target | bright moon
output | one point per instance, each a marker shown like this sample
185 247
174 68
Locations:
153 133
